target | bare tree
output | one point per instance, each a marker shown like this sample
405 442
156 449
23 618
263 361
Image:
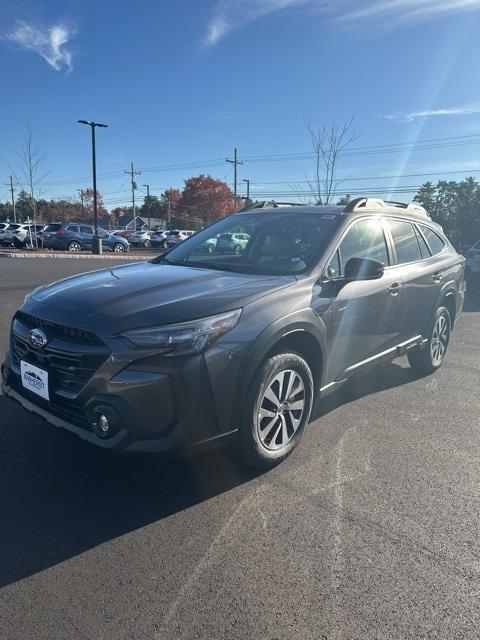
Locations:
328 143
31 159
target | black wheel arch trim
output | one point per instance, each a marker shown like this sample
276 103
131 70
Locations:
304 321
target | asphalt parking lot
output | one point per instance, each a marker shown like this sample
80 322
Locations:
369 531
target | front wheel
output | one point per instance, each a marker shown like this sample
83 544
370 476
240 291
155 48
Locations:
277 408
118 248
146 244
431 357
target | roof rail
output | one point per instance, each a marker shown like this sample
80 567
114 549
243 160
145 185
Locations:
379 204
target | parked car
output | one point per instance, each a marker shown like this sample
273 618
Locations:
3 226
159 239
25 232
6 234
124 233
31 236
231 242
74 236
176 236
141 238
473 264
193 350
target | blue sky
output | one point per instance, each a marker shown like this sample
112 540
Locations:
182 83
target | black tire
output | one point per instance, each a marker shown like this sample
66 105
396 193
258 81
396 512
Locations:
118 247
257 444
74 246
146 244
237 249
428 359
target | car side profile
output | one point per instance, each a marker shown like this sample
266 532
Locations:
75 236
196 349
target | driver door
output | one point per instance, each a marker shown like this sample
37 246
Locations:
365 313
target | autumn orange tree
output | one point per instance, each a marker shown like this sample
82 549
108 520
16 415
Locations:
205 198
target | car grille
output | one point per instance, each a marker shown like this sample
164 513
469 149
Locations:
71 357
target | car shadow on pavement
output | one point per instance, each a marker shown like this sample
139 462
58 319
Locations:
380 378
60 496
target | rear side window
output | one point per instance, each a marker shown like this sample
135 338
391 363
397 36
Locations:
435 243
424 248
405 240
53 227
86 230
72 227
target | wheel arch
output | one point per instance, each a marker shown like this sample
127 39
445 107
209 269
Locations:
300 333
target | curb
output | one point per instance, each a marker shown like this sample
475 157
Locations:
70 256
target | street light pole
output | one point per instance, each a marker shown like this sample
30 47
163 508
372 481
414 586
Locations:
96 242
248 189
148 202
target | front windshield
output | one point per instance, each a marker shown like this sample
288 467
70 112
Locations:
262 243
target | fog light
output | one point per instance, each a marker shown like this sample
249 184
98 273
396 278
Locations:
105 422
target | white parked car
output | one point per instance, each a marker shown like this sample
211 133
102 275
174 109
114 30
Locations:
6 234
26 232
177 236
159 239
141 238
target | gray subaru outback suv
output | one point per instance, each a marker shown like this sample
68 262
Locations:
197 349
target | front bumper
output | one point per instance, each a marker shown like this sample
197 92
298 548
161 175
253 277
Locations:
158 406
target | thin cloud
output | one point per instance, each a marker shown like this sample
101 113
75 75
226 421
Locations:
229 15
49 42
464 110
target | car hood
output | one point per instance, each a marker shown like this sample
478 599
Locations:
146 294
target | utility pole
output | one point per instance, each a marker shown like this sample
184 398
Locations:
235 163
80 191
12 191
132 174
147 186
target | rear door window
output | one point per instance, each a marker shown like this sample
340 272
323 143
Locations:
72 227
405 241
50 228
88 230
435 243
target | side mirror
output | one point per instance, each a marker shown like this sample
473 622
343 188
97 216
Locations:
363 269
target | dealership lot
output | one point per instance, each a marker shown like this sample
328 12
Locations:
370 530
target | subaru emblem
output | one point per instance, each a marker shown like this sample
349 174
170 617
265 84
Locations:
37 339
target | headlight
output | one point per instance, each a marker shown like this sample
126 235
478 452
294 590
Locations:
29 295
185 338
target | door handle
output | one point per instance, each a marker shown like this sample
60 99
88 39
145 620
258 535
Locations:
395 288
437 276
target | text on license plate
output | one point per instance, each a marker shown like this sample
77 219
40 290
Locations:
34 379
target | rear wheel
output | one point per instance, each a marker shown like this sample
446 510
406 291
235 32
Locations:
237 249
431 357
277 408
74 246
146 243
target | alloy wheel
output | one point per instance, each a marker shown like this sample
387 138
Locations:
439 341
280 410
